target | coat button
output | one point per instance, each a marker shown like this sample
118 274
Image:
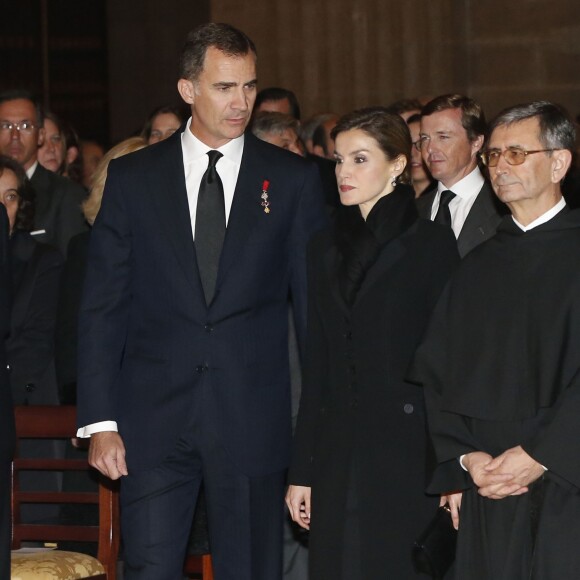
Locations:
208 327
29 387
408 408
200 369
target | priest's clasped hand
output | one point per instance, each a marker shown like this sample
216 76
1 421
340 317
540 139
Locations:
507 474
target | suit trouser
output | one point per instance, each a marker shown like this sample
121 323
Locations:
245 514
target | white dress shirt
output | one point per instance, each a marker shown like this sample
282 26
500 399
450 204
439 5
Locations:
195 162
465 191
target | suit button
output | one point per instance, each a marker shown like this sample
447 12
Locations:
322 410
408 408
29 387
200 369
208 327
8 368
348 335
353 404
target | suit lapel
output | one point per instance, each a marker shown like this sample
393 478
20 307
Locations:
242 219
478 226
173 211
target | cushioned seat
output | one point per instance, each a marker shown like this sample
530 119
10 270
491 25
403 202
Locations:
37 422
54 565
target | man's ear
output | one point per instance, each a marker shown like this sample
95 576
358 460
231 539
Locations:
186 90
561 161
477 144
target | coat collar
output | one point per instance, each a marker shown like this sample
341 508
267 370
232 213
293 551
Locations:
388 257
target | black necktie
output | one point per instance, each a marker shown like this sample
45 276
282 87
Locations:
443 215
210 226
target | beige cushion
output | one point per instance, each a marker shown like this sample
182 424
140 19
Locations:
54 565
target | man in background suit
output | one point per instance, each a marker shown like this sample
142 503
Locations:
58 214
7 437
183 356
452 135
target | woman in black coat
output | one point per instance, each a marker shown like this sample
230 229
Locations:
360 445
35 283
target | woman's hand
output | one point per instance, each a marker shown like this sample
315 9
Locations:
454 501
298 502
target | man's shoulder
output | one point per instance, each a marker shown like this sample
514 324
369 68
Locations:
488 201
47 181
256 149
424 203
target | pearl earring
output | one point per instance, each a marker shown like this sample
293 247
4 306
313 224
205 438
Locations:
394 181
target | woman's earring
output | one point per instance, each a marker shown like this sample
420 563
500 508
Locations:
394 181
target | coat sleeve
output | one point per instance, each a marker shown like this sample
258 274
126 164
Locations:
104 311
449 431
310 218
557 444
30 347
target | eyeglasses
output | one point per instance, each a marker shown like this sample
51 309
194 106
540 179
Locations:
22 127
512 155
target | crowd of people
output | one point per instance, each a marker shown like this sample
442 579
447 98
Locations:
419 262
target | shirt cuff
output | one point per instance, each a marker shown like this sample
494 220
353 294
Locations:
88 430
461 462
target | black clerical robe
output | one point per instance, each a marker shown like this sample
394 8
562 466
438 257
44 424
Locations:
501 367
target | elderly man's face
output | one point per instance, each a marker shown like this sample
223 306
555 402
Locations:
536 176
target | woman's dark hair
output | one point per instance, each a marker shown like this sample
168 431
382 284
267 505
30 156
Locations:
387 129
164 109
25 213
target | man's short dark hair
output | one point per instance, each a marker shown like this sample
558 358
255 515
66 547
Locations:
557 129
278 94
14 94
224 37
472 117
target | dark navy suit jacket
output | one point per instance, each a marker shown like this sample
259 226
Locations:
147 338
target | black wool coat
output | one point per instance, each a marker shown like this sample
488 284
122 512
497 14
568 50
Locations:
359 422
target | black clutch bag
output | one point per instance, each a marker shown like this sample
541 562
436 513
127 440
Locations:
434 550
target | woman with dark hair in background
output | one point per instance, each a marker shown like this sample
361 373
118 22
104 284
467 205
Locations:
35 276
35 281
162 123
358 465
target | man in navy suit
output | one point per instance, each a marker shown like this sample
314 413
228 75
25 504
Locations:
178 383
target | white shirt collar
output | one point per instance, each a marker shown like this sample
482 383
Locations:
30 171
467 187
545 217
194 149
